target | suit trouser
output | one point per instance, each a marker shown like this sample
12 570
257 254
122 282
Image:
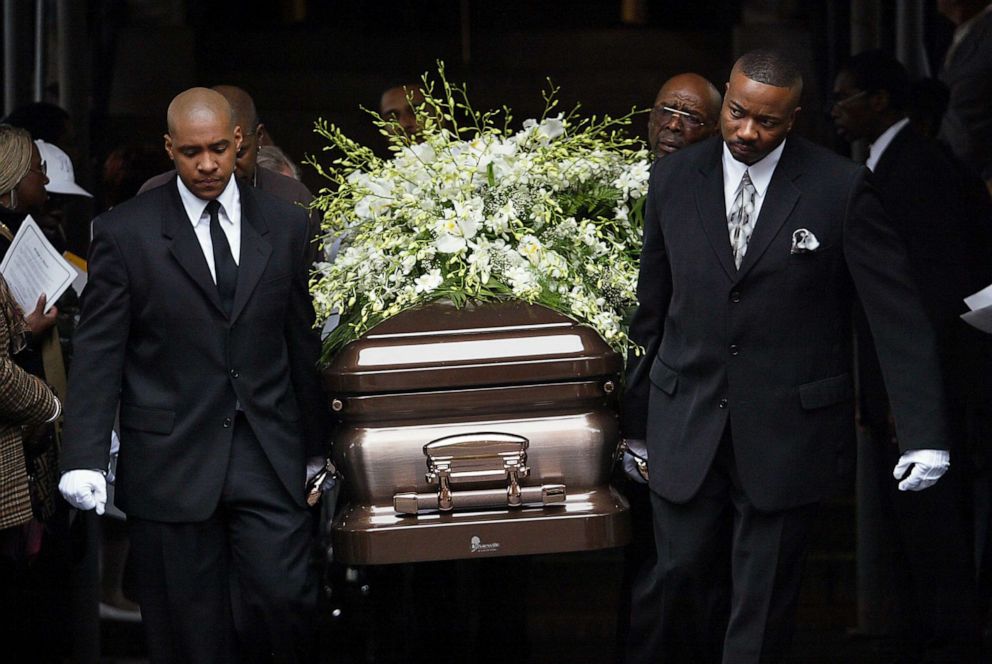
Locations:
728 573
640 590
238 586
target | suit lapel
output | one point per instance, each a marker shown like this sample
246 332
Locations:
185 248
710 206
255 249
780 199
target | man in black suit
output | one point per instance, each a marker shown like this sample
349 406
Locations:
197 320
754 247
942 216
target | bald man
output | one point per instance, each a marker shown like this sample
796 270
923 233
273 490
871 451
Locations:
685 111
196 320
253 133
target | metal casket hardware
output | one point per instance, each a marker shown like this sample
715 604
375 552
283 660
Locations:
477 457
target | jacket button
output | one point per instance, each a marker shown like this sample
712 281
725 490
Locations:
723 403
735 296
734 350
234 373
227 422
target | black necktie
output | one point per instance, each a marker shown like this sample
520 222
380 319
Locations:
224 266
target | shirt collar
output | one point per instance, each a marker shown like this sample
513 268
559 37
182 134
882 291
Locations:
761 171
876 149
229 200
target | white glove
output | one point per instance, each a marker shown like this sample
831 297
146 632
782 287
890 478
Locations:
928 466
84 489
630 461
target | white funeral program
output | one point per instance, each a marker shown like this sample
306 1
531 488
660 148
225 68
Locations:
980 304
32 266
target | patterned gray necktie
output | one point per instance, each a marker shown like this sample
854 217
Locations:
740 221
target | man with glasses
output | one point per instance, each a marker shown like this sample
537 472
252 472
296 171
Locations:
246 164
948 241
685 111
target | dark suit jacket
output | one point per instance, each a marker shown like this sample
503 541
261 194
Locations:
154 338
273 183
768 346
967 124
942 213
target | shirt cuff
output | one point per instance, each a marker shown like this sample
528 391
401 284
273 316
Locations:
58 410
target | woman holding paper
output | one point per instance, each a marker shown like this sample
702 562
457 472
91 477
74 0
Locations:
22 191
32 528
25 400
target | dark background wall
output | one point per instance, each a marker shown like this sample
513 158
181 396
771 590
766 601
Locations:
116 64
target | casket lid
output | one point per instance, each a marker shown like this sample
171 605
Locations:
440 345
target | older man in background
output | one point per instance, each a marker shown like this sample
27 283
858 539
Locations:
686 110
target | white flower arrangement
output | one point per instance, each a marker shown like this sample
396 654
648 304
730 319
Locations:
550 214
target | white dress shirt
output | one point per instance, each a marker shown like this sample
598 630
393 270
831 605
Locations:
876 149
761 176
229 216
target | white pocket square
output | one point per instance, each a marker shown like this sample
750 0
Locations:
803 241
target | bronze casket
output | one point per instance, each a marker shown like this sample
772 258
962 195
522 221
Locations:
489 430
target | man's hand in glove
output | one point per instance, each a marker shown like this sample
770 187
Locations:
84 489
927 467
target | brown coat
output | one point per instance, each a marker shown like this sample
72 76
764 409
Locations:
24 400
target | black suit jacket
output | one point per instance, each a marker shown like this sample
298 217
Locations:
941 211
154 338
768 346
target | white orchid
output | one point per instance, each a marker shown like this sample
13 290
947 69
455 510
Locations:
429 282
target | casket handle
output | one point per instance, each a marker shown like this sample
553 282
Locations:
477 457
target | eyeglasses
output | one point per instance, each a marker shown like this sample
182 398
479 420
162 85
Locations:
664 115
844 101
